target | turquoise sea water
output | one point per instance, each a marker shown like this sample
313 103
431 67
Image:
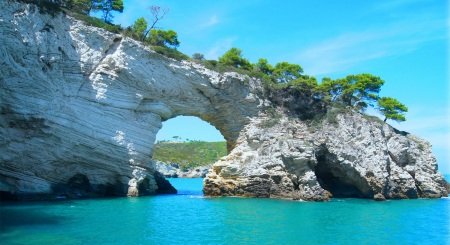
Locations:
188 218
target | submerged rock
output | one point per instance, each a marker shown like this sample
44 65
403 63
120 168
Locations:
80 108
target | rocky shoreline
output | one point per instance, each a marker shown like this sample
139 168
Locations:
173 170
348 155
80 109
80 106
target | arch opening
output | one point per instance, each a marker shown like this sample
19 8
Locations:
187 146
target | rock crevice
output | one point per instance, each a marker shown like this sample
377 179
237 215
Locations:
79 100
353 156
80 109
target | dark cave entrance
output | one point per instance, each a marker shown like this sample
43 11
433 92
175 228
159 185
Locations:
333 178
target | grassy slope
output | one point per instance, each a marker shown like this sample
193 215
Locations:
189 154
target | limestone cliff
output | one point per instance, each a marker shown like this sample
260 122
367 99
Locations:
173 170
80 109
351 155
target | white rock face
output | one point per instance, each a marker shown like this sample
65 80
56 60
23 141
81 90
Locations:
354 156
173 170
80 107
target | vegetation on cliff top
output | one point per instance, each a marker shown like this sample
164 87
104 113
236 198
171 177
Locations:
285 80
164 42
284 83
189 154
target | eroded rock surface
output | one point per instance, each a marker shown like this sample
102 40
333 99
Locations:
352 156
81 103
80 108
173 170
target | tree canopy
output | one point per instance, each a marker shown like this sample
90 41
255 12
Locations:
285 72
356 91
198 56
391 108
107 6
359 90
167 38
233 57
138 28
158 14
82 6
151 35
264 67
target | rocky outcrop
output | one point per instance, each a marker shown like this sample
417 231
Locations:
350 156
173 170
80 108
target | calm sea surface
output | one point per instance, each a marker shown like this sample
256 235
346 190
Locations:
188 218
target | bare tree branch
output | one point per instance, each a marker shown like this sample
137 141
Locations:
158 14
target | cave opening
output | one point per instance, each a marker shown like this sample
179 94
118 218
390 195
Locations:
78 185
333 178
144 187
186 147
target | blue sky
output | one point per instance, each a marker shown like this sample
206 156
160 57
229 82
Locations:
405 42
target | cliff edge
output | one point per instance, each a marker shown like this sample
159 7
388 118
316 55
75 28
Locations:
350 155
80 108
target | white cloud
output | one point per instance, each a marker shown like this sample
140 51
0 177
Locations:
212 21
220 47
348 49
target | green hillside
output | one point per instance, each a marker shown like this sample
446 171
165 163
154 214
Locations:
189 154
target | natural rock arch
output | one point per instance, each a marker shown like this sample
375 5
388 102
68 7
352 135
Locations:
80 107
201 143
94 101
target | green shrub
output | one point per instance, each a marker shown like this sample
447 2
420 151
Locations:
234 58
170 52
163 38
92 21
273 118
373 118
189 154
334 111
45 6
330 115
198 57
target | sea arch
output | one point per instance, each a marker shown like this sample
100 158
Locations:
80 116
80 108
185 145
226 101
